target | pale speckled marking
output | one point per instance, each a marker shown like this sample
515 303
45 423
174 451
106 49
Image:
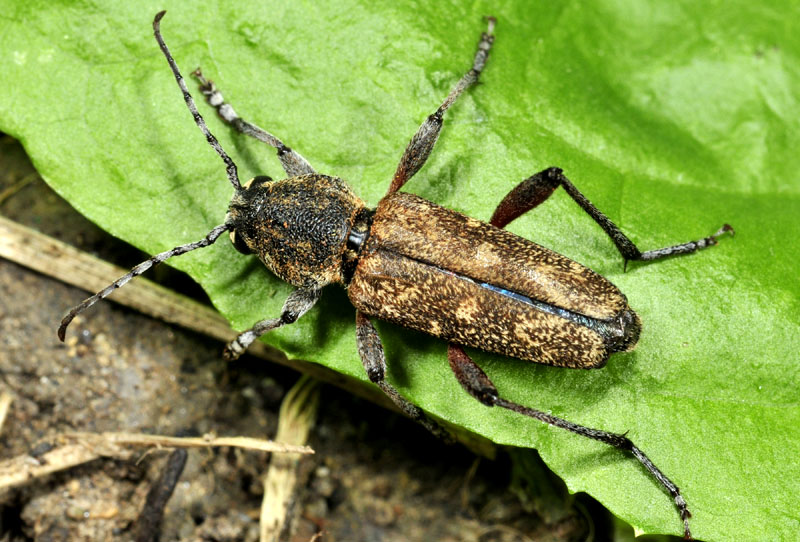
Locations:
521 332
417 228
468 310
487 255
431 300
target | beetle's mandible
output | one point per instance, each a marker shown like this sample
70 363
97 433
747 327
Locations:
414 263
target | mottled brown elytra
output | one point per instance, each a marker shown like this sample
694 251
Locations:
417 264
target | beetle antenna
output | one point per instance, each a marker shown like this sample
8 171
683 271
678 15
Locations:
209 239
230 167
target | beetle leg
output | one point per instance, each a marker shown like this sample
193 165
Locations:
292 162
295 306
370 350
421 145
477 383
524 197
537 188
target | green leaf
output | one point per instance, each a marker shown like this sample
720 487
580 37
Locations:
672 117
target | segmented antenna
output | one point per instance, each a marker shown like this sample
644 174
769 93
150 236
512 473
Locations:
209 239
230 167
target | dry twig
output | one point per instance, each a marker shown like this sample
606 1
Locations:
75 449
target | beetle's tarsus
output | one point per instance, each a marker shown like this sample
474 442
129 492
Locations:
492 21
205 84
685 515
234 349
726 228
295 306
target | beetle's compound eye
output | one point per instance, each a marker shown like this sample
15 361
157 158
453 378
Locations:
239 244
255 182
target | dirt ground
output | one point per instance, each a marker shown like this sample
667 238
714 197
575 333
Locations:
375 476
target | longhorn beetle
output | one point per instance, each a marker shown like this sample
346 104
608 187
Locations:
414 263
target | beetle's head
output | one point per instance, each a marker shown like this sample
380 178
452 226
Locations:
298 227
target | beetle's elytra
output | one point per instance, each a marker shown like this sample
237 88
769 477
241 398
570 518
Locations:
438 271
417 264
